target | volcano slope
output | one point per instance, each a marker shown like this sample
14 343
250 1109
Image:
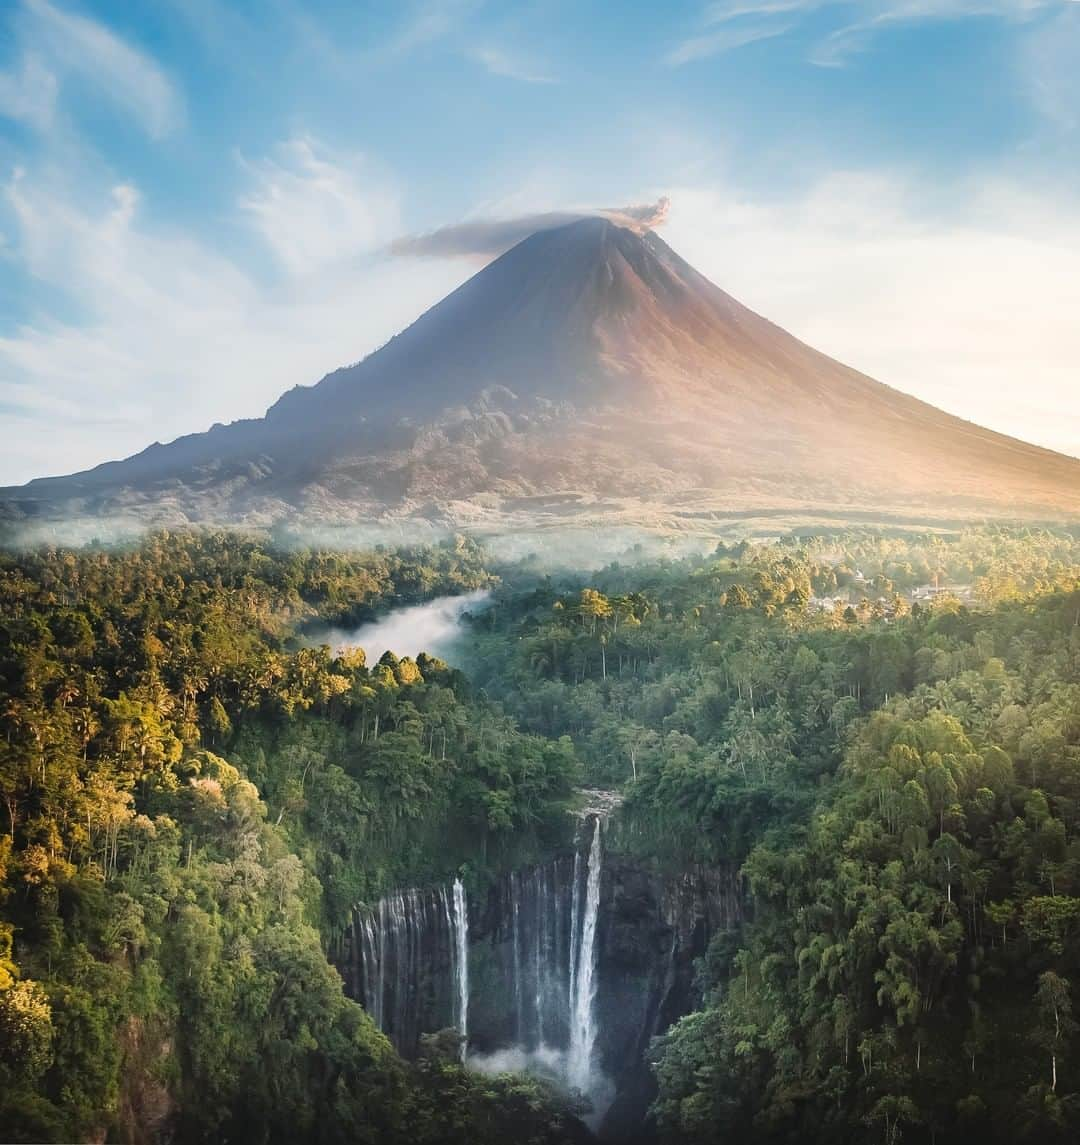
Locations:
589 374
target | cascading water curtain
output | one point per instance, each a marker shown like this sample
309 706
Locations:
404 947
461 963
583 988
413 955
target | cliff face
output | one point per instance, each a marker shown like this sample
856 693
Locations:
655 926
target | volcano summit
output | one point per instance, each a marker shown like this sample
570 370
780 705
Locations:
588 374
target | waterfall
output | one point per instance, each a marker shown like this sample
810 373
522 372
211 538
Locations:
410 955
515 940
563 969
381 979
582 993
575 912
533 975
461 967
539 941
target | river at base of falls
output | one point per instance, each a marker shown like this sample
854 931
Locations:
411 967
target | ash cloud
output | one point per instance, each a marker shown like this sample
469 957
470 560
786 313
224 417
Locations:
485 239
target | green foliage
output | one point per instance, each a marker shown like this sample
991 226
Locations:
193 797
909 965
899 788
193 800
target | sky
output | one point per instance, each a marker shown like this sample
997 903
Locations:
205 203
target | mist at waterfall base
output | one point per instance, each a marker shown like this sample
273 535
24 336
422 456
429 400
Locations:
536 998
551 1064
432 627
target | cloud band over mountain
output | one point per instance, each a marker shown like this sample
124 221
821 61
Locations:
488 238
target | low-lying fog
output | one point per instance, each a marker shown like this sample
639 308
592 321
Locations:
432 627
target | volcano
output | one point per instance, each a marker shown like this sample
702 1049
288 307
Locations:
589 373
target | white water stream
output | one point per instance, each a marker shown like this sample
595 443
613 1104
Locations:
461 967
583 992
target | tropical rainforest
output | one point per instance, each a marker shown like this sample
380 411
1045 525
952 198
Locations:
877 734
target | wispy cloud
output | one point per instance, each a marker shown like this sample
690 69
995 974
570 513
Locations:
59 47
165 333
427 21
501 62
728 24
29 92
723 39
1050 67
854 35
431 21
313 206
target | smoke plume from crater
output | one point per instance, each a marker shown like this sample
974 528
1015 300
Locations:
485 239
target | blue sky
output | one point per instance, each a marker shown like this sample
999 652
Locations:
197 198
